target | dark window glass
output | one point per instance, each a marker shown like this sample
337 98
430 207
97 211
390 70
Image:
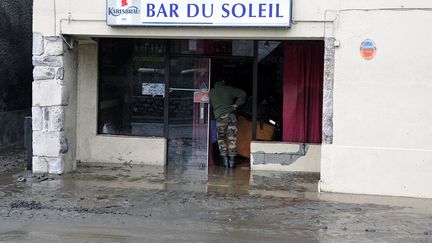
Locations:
213 47
131 87
270 90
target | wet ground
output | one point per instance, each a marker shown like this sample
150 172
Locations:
12 159
132 203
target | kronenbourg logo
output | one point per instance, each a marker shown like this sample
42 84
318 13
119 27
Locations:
120 11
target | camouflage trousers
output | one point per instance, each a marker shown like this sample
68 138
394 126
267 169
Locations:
227 132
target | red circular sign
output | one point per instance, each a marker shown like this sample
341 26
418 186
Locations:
368 49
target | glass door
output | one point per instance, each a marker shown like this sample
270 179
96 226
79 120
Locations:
188 117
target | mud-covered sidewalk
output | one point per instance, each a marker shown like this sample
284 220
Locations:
131 203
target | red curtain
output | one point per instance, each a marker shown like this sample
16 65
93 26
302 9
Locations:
303 92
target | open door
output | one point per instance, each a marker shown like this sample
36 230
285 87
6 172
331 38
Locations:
188 119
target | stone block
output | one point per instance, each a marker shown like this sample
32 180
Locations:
44 73
47 61
47 144
56 166
38 44
329 62
54 46
49 93
56 119
60 74
45 118
40 165
37 118
52 165
64 145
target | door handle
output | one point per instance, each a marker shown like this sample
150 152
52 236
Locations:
181 89
201 113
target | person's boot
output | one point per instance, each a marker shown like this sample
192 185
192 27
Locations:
231 162
225 161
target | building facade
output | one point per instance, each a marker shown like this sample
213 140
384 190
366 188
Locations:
126 81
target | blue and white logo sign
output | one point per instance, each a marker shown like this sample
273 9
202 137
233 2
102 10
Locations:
249 13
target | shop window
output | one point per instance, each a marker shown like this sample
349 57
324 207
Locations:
290 89
131 87
290 78
270 90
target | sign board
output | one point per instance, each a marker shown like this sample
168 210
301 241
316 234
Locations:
201 97
245 13
153 89
368 49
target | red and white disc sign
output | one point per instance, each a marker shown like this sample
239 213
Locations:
368 49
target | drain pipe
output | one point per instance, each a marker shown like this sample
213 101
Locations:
28 141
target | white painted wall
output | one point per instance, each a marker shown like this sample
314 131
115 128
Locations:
79 17
382 115
70 65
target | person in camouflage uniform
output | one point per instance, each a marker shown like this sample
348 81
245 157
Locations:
225 100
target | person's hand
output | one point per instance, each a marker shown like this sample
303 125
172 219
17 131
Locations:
234 106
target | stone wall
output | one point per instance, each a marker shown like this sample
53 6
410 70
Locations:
50 99
329 63
15 69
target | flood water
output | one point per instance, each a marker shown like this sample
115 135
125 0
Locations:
133 203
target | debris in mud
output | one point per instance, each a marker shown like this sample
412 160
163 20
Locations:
35 177
33 205
101 197
26 205
128 163
371 230
41 179
28 176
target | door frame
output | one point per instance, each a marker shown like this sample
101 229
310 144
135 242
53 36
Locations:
169 56
168 90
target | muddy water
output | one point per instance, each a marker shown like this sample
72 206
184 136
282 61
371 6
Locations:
106 203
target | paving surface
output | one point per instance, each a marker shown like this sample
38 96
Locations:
132 203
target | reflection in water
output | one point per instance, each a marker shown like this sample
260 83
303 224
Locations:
231 181
180 176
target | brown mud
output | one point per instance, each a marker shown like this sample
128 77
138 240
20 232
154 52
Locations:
133 203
